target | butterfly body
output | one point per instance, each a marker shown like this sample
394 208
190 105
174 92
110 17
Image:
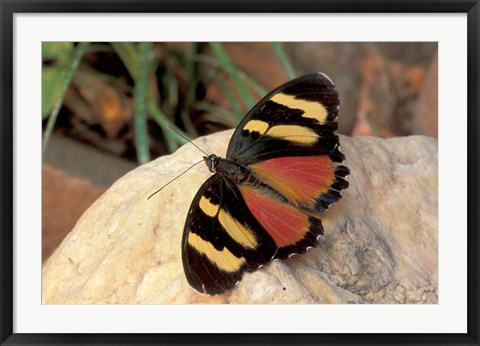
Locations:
265 199
227 168
233 172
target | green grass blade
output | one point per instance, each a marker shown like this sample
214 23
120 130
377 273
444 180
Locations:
241 75
172 139
227 64
171 86
284 60
189 64
72 64
128 54
140 94
237 110
217 114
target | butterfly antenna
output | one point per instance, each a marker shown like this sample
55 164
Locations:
196 146
178 176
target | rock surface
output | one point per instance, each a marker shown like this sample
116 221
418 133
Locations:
60 211
380 243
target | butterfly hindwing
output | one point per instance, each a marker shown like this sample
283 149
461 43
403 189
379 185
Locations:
310 183
292 230
222 239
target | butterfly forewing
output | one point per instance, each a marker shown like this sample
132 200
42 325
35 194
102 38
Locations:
296 119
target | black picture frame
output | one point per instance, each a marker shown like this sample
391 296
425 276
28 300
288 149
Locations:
10 7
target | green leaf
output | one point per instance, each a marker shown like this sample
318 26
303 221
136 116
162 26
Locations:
72 64
52 79
56 50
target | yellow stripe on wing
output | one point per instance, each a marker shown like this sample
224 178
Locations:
311 109
208 207
256 126
294 133
237 231
224 259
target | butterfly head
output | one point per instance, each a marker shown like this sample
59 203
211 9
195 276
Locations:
212 162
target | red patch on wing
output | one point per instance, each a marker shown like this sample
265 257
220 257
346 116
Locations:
300 179
285 224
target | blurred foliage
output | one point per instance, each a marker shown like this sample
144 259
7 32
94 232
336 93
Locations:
165 81
65 63
142 100
57 54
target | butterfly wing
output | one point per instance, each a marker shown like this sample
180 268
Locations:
296 119
288 142
222 239
292 230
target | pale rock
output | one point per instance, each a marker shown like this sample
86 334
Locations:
380 243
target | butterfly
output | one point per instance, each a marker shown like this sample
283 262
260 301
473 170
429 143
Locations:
264 201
